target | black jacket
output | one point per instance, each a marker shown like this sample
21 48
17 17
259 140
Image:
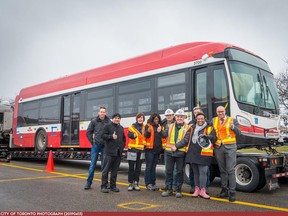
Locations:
114 147
193 154
96 128
157 147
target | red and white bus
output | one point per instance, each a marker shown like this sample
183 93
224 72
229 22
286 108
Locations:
55 114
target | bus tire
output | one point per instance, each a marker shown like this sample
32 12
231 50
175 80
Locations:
41 140
283 180
247 175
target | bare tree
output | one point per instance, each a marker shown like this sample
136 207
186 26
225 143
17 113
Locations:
282 86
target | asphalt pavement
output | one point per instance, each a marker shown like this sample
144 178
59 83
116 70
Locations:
26 186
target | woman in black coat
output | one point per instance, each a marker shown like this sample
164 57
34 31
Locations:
196 156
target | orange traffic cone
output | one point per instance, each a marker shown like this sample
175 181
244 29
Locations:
50 163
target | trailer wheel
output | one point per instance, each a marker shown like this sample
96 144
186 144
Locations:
247 175
283 180
41 140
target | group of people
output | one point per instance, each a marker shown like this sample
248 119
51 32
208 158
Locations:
193 143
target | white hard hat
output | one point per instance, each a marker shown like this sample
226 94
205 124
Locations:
180 112
204 142
169 112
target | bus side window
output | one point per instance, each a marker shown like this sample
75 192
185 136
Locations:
134 97
172 91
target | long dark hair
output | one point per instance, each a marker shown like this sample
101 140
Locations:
152 117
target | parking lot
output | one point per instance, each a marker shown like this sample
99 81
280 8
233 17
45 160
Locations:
26 186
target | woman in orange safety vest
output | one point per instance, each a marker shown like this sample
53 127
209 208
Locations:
135 153
154 133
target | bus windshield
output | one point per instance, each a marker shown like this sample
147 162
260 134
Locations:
253 85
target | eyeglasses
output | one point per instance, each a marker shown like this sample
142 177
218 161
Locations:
220 111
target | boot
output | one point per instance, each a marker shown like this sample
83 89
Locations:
203 194
223 193
232 197
136 186
130 187
196 192
168 191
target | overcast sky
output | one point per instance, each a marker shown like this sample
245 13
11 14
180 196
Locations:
42 40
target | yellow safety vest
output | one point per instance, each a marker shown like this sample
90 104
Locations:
171 136
224 134
139 141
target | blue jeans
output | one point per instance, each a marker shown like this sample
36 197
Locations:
95 149
151 160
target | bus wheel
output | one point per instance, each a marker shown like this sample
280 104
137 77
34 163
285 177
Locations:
41 140
247 175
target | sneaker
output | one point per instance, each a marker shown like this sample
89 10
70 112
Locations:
155 188
136 186
130 187
149 187
104 190
178 194
87 186
115 189
167 193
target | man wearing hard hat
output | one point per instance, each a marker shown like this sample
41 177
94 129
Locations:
175 132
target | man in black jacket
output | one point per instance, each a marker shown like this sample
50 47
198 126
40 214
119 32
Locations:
94 134
115 143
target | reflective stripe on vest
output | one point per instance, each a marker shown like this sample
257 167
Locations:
150 140
181 134
224 134
207 152
139 141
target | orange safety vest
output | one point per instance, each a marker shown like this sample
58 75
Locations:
171 136
224 134
164 140
207 152
150 140
204 152
139 141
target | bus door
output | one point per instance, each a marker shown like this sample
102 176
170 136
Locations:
211 89
70 120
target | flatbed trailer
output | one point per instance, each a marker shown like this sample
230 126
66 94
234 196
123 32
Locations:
253 170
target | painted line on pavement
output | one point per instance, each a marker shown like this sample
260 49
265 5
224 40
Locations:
143 187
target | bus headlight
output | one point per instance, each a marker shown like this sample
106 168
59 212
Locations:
243 121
